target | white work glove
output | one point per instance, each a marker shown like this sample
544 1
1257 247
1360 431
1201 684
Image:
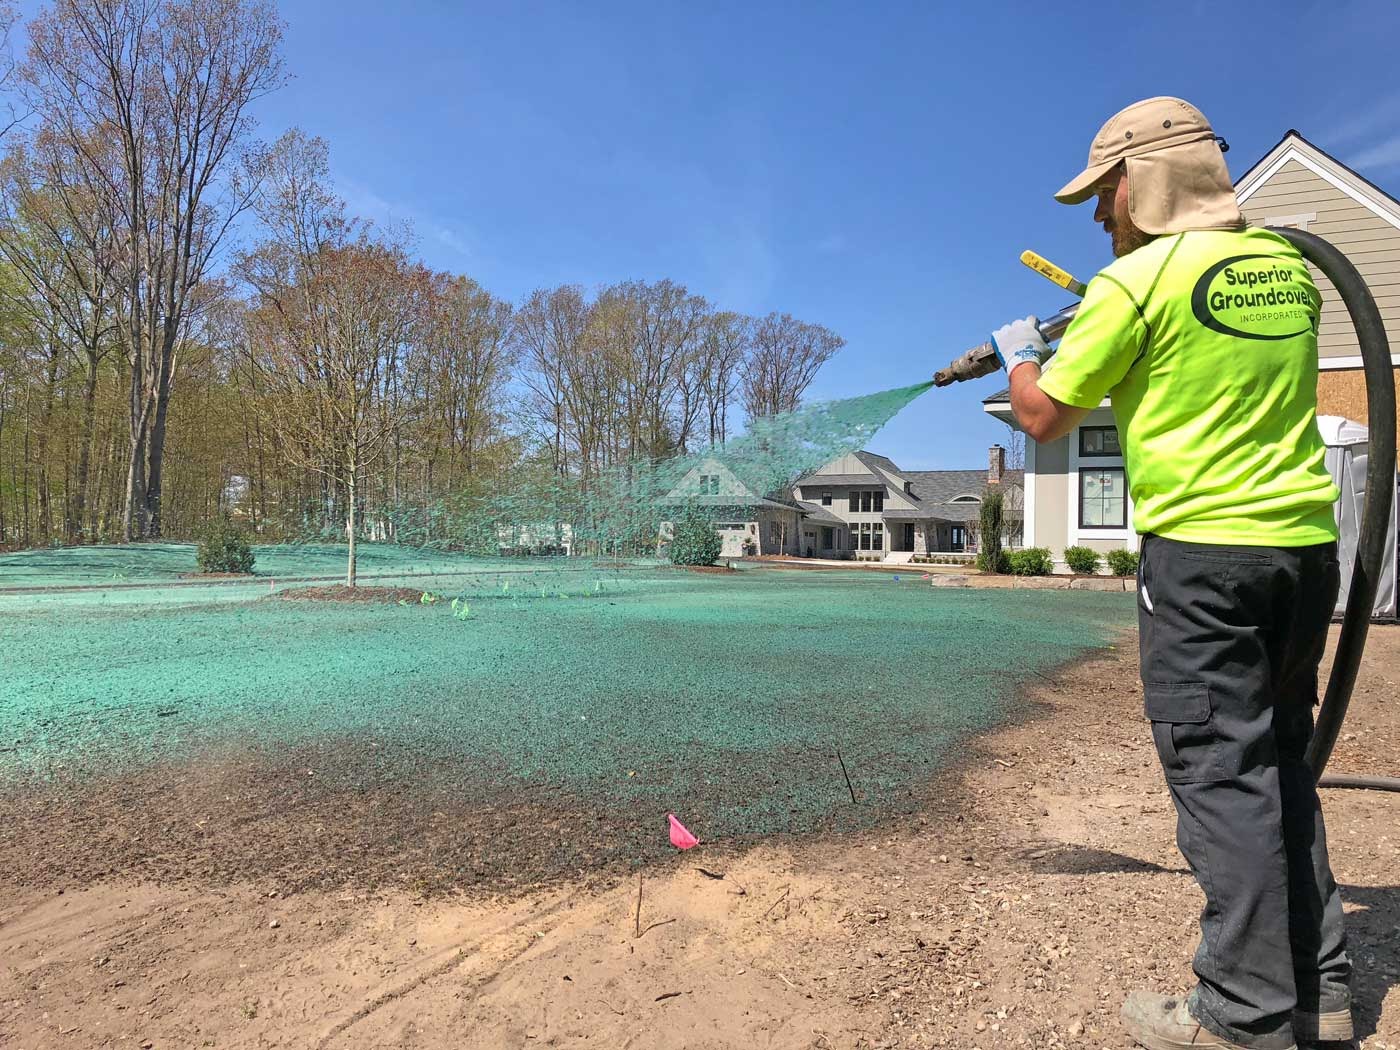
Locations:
1019 342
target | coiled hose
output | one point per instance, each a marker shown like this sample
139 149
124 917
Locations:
1375 516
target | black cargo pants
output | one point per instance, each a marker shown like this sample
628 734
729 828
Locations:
1231 638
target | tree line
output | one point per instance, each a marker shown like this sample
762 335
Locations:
192 322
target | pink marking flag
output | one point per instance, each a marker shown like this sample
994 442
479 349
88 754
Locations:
680 837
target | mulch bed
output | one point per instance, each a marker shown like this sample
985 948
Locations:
341 593
218 576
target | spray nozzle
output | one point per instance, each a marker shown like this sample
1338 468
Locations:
982 360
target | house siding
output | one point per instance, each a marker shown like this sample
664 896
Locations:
1371 243
847 464
1052 495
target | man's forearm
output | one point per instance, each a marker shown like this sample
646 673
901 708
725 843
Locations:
1040 415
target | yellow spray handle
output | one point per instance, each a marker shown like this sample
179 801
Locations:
1049 270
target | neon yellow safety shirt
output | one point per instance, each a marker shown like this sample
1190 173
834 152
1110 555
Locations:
1206 341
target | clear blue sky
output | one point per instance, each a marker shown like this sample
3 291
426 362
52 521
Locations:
877 168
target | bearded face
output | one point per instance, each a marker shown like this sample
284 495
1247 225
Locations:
1112 212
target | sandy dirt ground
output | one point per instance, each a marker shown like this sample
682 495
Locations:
1037 886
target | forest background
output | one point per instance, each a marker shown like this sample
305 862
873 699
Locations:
194 325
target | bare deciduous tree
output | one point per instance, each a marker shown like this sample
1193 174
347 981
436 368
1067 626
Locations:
784 357
57 236
171 81
324 352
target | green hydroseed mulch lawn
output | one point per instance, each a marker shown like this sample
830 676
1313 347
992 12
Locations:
547 727
118 564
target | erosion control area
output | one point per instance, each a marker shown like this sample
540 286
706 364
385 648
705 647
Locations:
515 727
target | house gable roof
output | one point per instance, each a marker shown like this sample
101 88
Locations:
732 490
1293 147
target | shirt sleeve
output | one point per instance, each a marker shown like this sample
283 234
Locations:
1100 346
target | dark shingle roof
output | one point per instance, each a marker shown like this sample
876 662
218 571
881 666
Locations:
816 512
941 486
820 480
871 460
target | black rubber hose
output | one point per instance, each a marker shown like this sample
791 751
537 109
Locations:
1353 780
1380 491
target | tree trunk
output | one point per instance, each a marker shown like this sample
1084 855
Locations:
75 519
154 477
45 425
134 511
350 529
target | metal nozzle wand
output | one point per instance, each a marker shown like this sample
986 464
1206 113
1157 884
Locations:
982 360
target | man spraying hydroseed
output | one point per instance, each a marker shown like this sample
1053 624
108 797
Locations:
1204 335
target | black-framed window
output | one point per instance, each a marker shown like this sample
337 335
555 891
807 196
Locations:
868 536
1103 498
867 501
828 540
826 499
1099 441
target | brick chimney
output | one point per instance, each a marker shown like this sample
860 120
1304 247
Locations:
996 464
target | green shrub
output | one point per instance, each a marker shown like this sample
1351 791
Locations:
224 548
985 562
1030 561
1123 562
1082 560
989 553
695 542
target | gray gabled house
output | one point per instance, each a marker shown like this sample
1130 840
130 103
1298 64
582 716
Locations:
748 522
859 506
863 506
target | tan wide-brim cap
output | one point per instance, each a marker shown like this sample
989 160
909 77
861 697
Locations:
1144 127
1177 176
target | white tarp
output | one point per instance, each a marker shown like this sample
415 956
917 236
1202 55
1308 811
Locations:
1346 461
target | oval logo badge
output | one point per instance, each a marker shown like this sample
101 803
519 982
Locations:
1254 297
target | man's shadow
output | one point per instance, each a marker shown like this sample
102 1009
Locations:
1373 924
1062 858
1373 942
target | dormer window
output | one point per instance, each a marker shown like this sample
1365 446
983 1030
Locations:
966 499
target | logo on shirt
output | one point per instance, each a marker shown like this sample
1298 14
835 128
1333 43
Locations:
1254 297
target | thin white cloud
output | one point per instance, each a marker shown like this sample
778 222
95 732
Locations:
451 240
1382 156
1382 115
366 203
832 244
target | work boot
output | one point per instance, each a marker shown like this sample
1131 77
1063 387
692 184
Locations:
1330 1026
1162 1022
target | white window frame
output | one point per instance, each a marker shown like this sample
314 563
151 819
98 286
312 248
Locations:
1297 222
1074 532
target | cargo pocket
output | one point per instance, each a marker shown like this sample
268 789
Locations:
1183 731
